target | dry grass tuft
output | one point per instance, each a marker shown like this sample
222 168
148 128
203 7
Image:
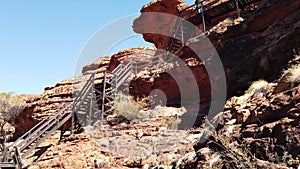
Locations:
257 86
128 107
293 74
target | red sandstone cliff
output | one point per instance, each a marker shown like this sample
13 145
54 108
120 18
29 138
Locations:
265 40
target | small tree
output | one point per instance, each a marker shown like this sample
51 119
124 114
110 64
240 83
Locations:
10 106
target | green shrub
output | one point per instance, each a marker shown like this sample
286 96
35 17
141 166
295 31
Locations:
171 123
128 107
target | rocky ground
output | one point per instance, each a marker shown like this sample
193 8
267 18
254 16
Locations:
145 142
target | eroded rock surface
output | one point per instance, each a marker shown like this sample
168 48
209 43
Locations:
56 96
261 124
261 40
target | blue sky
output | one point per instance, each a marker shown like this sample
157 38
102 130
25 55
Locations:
40 41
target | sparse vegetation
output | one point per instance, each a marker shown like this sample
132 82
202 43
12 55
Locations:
231 152
10 106
225 149
228 21
293 74
171 123
257 88
128 107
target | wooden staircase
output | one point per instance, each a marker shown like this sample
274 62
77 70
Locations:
12 156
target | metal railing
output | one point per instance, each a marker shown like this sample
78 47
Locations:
41 131
207 12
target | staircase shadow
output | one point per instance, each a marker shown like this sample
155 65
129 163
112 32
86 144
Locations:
40 152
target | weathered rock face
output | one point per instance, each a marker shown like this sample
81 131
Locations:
164 25
135 55
24 122
261 41
150 19
265 124
63 92
9 130
260 47
98 66
44 105
140 54
52 98
173 83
